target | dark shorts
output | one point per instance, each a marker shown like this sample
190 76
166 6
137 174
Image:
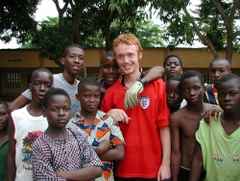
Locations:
184 174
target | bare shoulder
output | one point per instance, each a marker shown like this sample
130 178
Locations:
177 117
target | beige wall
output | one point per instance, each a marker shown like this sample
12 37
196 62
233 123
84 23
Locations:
192 58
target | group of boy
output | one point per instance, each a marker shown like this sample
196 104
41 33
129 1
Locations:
134 131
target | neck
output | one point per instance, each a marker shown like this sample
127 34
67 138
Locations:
231 116
88 115
68 77
131 78
198 107
35 109
3 133
55 132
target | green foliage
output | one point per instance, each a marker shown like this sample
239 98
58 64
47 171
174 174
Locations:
16 19
207 18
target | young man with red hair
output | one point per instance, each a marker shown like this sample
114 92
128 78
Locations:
147 148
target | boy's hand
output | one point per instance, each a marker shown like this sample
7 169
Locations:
103 147
131 96
164 173
62 174
214 111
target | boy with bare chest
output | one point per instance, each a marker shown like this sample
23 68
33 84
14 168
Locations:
184 124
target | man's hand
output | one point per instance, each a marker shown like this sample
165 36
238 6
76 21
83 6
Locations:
164 173
118 115
131 96
213 111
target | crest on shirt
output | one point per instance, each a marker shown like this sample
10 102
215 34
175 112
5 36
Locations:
144 102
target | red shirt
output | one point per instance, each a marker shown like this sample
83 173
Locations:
142 134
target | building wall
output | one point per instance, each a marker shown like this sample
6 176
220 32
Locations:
16 65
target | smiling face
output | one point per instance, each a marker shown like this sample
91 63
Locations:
57 111
127 57
229 95
3 117
192 90
41 82
89 97
73 60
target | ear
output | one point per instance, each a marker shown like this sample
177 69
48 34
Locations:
140 55
77 96
62 60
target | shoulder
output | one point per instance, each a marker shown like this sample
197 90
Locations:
19 112
39 143
178 116
57 76
115 87
77 133
157 85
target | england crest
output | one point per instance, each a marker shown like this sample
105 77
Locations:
144 102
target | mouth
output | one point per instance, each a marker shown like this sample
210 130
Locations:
62 122
41 96
193 99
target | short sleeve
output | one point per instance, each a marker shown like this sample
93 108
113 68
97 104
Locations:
27 94
163 111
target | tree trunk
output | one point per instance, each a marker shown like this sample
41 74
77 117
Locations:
205 40
76 27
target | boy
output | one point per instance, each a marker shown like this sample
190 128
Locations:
173 66
218 150
62 153
29 123
103 135
147 148
4 141
184 124
217 69
72 61
174 99
108 70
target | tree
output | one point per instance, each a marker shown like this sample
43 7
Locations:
213 22
16 19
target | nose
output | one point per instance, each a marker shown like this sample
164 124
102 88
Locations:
42 87
61 112
192 92
76 59
227 97
172 65
217 74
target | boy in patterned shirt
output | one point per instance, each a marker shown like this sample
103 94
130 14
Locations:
102 134
62 153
